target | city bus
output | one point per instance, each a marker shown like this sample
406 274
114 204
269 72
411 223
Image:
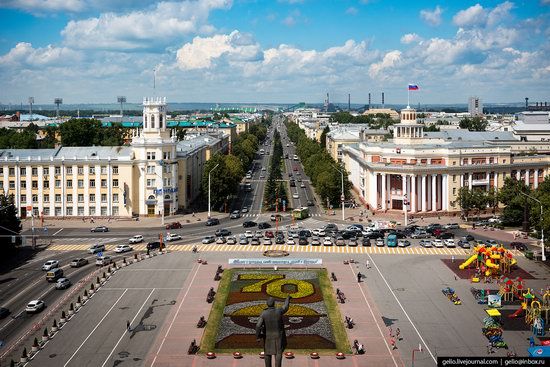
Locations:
391 240
300 213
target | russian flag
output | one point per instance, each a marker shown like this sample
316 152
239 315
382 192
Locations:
413 87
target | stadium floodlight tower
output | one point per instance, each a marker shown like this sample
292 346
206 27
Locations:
121 100
57 102
31 102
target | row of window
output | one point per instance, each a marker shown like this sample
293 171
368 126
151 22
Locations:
151 156
80 198
80 211
152 182
151 169
57 170
57 183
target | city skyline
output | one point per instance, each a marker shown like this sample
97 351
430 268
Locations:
90 51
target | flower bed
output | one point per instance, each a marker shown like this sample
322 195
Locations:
308 326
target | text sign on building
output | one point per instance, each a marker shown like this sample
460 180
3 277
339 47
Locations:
268 262
166 190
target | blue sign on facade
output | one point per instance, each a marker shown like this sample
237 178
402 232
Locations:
166 190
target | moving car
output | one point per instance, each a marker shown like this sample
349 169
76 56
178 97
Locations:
302 185
172 237
153 245
244 209
99 229
62 283
223 232
420 234
519 246
54 274
4 312
248 224
136 239
123 248
310 203
235 214
374 235
445 235
98 247
77 263
212 222
50 264
103 260
275 217
295 195
36 305
451 226
174 225
264 225
209 239
467 238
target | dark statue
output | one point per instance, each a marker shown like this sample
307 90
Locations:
271 329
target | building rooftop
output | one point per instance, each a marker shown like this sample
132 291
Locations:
194 142
100 153
471 136
25 154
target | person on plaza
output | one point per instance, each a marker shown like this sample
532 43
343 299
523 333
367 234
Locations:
392 342
368 264
128 326
359 276
270 327
397 333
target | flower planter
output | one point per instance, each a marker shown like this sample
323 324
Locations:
84 298
78 305
54 329
289 355
314 355
91 291
210 355
34 349
340 355
71 312
62 320
24 359
237 355
45 338
262 355
102 280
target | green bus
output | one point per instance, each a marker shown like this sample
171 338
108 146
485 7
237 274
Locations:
391 240
300 213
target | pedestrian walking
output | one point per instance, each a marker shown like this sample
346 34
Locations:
392 342
368 264
397 333
359 276
128 325
390 330
453 258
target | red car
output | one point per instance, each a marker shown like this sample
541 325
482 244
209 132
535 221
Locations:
269 234
173 225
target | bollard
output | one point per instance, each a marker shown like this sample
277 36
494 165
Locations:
35 346
71 309
24 356
54 326
85 296
63 318
45 335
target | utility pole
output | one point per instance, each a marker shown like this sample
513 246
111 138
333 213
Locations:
216 166
543 254
342 197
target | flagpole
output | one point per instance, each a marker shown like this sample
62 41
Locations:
408 97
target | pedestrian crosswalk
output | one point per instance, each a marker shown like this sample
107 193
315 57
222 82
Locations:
87 241
291 249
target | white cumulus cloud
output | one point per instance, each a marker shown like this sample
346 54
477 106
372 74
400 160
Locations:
390 60
475 15
143 29
410 38
203 51
432 17
23 55
37 6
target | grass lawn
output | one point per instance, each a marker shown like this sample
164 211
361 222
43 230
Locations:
208 342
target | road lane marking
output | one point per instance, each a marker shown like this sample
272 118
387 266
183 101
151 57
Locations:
57 232
175 315
400 305
94 329
126 331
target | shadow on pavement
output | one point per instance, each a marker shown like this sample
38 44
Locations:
15 257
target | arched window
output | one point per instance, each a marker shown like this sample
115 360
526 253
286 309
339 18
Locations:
151 197
167 197
152 121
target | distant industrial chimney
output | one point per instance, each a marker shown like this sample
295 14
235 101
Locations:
369 100
526 102
382 99
349 102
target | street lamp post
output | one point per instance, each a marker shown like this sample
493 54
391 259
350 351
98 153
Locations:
216 166
342 197
543 257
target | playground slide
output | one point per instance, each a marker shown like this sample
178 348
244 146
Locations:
491 264
513 262
468 262
517 313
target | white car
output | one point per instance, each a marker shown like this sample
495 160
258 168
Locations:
290 241
50 264
231 240
36 305
266 241
123 248
450 242
103 260
209 239
259 234
380 242
244 209
303 185
295 195
172 237
248 234
315 241
327 241
136 239
437 243
451 226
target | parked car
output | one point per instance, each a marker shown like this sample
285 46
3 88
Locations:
467 238
123 248
398 234
302 241
212 222
374 235
103 260
315 241
491 242
77 263
264 225
99 229
279 240
172 237
136 239
353 242
519 246
174 225
221 240
34 306
380 242
153 245
290 241
327 241
426 243
269 234
451 226
445 235
209 239
437 243
255 241
463 244
420 234
403 243
433 226
62 283
98 247
223 232
243 241
266 242
449 242
366 242
231 241
235 214
50 264
4 312
249 224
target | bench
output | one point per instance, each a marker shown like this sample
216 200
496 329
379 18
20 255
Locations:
201 323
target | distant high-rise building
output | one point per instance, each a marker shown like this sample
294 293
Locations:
475 106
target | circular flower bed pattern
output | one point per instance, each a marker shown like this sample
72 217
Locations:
306 322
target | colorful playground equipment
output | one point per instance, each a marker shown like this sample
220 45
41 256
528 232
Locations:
492 331
490 261
451 295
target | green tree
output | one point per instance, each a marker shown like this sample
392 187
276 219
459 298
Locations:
473 124
509 194
323 137
223 183
431 128
10 225
465 201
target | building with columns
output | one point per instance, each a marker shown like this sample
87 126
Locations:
422 172
156 174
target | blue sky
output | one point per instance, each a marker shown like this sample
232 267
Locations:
274 51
